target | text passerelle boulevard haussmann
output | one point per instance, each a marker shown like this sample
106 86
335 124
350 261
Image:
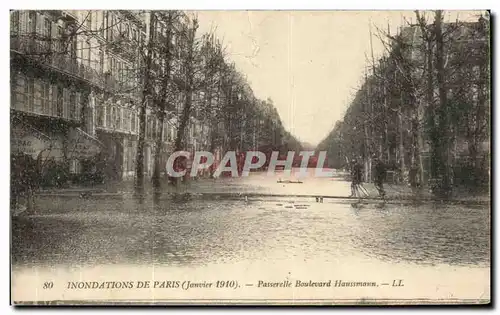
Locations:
310 283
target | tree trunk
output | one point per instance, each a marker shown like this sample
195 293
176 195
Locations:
366 151
188 88
162 105
386 124
402 154
158 150
182 126
444 125
139 167
435 163
420 142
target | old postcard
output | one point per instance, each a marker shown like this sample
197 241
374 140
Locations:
250 157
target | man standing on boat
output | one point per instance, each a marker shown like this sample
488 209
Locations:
379 176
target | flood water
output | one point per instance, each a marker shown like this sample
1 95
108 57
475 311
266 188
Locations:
426 242
201 232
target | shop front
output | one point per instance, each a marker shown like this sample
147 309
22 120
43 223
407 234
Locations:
84 156
55 158
33 152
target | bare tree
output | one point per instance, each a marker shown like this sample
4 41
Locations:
166 53
146 96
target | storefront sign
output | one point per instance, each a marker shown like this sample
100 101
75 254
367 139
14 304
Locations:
28 141
82 146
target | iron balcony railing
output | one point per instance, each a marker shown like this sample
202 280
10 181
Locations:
48 53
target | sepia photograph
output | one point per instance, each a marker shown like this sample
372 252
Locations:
250 157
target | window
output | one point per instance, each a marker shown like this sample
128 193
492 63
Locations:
100 116
23 21
106 66
80 50
133 126
110 28
149 127
120 27
130 119
66 103
39 23
88 21
119 119
154 127
125 74
100 66
54 100
113 118
46 27
126 119
53 36
108 116
72 104
172 133
127 31
46 99
14 22
131 155
78 106
95 20
112 65
103 23
74 167
86 53
19 90
57 42
72 48
31 22
119 71
164 132
37 97
95 55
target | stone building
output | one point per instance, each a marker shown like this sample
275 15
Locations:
75 90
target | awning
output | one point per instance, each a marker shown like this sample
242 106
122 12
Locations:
82 145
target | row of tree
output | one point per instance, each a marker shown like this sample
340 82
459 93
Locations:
171 72
192 78
424 107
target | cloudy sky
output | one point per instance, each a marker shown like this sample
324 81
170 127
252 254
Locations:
309 63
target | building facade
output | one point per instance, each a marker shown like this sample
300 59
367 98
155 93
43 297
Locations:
75 92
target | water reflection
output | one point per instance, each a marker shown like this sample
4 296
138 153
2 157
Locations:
166 231
427 235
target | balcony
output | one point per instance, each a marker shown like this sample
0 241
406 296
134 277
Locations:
46 52
71 15
116 127
116 119
128 88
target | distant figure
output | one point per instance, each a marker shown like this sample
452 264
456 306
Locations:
414 178
356 177
380 172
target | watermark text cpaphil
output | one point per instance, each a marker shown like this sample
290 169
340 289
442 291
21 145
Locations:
253 160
